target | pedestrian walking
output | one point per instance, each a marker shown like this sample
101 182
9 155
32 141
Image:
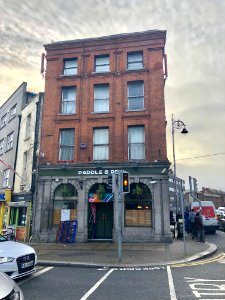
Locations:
192 223
199 227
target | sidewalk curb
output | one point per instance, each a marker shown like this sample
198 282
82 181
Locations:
209 252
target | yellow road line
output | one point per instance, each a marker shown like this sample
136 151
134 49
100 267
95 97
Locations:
200 262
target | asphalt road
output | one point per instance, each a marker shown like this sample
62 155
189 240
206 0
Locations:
198 280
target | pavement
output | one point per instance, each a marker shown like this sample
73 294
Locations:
105 254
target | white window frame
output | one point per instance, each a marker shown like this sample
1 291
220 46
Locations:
139 104
12 112
135 64
100 65
69 105
103 101
25 161
1 146
67 146
3 120
5 178
136 142
28 126
101 144
9 143
70 70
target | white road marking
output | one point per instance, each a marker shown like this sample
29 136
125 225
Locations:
202 288
35 275
96 285
171 284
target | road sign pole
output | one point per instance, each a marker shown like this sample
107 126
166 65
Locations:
120 193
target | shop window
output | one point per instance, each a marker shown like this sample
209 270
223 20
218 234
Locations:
22 216
65 199
138 206
59 205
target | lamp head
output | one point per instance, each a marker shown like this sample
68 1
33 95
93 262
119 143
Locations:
184 131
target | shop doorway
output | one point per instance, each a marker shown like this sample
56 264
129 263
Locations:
100 225
100 215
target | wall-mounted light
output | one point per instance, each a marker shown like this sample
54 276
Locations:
81 183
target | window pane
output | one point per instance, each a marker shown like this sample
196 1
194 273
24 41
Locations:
69 100
101 98
70 67
66 149
136 103
135 96
135 89
136 142
135 61
102 64
101 144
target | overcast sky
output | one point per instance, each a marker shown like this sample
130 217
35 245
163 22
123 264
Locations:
195 88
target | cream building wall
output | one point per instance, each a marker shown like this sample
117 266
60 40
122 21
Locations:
25 152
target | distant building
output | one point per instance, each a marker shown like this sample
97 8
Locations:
104 111
208 194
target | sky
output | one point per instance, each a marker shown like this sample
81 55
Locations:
195 88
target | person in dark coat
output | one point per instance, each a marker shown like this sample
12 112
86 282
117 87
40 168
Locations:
199 227
192 223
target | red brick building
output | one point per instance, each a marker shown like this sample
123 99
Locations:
104 111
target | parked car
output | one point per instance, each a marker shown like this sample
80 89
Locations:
16 259
9 289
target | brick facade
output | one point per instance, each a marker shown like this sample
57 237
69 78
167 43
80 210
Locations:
117 119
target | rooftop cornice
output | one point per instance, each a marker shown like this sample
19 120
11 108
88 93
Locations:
111 39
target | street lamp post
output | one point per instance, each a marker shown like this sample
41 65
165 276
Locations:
178 124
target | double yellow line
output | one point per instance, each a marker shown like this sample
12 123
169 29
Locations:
200 262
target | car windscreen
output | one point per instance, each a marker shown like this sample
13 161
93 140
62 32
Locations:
2 238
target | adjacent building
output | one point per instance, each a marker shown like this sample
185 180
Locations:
19 139
104 111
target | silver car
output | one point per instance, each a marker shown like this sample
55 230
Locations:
16 259
9 289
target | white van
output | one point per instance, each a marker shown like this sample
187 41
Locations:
208 212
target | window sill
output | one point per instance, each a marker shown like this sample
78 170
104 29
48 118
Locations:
12 118
7 150
63 115
26 138
99 73
140 69
2 126
132 110
100 112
